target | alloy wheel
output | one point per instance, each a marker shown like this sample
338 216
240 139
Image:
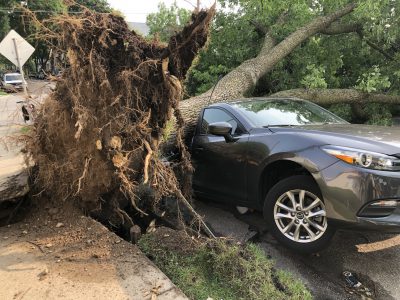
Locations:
300 216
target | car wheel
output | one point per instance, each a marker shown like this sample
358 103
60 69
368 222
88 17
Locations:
296 214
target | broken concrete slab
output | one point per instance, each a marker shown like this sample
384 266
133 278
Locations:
72 268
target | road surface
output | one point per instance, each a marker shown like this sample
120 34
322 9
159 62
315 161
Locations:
373 257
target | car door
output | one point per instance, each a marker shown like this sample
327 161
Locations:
220 166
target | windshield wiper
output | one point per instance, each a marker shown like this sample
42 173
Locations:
280 125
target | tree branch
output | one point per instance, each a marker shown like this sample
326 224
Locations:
341 28
377 48
260 28
334 96
241 80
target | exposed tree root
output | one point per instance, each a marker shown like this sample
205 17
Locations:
110 111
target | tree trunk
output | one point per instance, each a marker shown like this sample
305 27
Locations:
334 96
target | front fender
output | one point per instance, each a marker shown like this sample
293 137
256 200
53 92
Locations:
313 159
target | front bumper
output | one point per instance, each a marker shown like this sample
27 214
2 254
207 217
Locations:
347 189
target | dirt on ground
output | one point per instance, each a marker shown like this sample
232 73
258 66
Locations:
60 253
177 241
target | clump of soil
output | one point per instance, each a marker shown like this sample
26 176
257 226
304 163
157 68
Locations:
176 241
97 137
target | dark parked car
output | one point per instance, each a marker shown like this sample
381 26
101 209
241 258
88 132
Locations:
306 169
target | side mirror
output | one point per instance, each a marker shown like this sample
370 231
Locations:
222 129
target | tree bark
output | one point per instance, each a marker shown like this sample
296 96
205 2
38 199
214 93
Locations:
241 80
334 96
341 28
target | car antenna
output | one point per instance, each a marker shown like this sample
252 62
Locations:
215 85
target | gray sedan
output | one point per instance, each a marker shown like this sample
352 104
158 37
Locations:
308 170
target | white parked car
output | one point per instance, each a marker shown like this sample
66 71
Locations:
12 81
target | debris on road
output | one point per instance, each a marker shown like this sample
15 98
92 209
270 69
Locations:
351 280
354 286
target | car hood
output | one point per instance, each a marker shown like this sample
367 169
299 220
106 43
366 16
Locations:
372 138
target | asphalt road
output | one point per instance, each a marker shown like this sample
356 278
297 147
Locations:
373 257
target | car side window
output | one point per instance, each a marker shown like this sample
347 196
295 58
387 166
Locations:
212 115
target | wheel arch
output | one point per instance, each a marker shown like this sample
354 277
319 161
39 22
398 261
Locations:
280 169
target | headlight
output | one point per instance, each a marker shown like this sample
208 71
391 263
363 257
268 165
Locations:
364 159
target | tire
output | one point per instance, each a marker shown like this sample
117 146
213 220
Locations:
299 225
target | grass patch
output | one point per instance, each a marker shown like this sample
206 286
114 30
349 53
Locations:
25 129
2 93
219 270
169 127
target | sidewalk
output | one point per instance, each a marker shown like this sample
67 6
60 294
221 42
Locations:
13 175
78 260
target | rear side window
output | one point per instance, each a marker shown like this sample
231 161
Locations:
212 115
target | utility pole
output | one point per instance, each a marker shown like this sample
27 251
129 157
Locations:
21 70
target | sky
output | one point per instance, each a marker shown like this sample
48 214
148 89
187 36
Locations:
137 10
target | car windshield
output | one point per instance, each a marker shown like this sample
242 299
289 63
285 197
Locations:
286 112
13 77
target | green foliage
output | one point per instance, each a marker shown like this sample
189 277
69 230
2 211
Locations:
373 81
100 6
44 9
26 129
223 271
167 21
4 24
342 110
200 82
380 19
315 77
378 114
233 40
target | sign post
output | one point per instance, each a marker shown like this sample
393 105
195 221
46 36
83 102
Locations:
17 50
21 70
